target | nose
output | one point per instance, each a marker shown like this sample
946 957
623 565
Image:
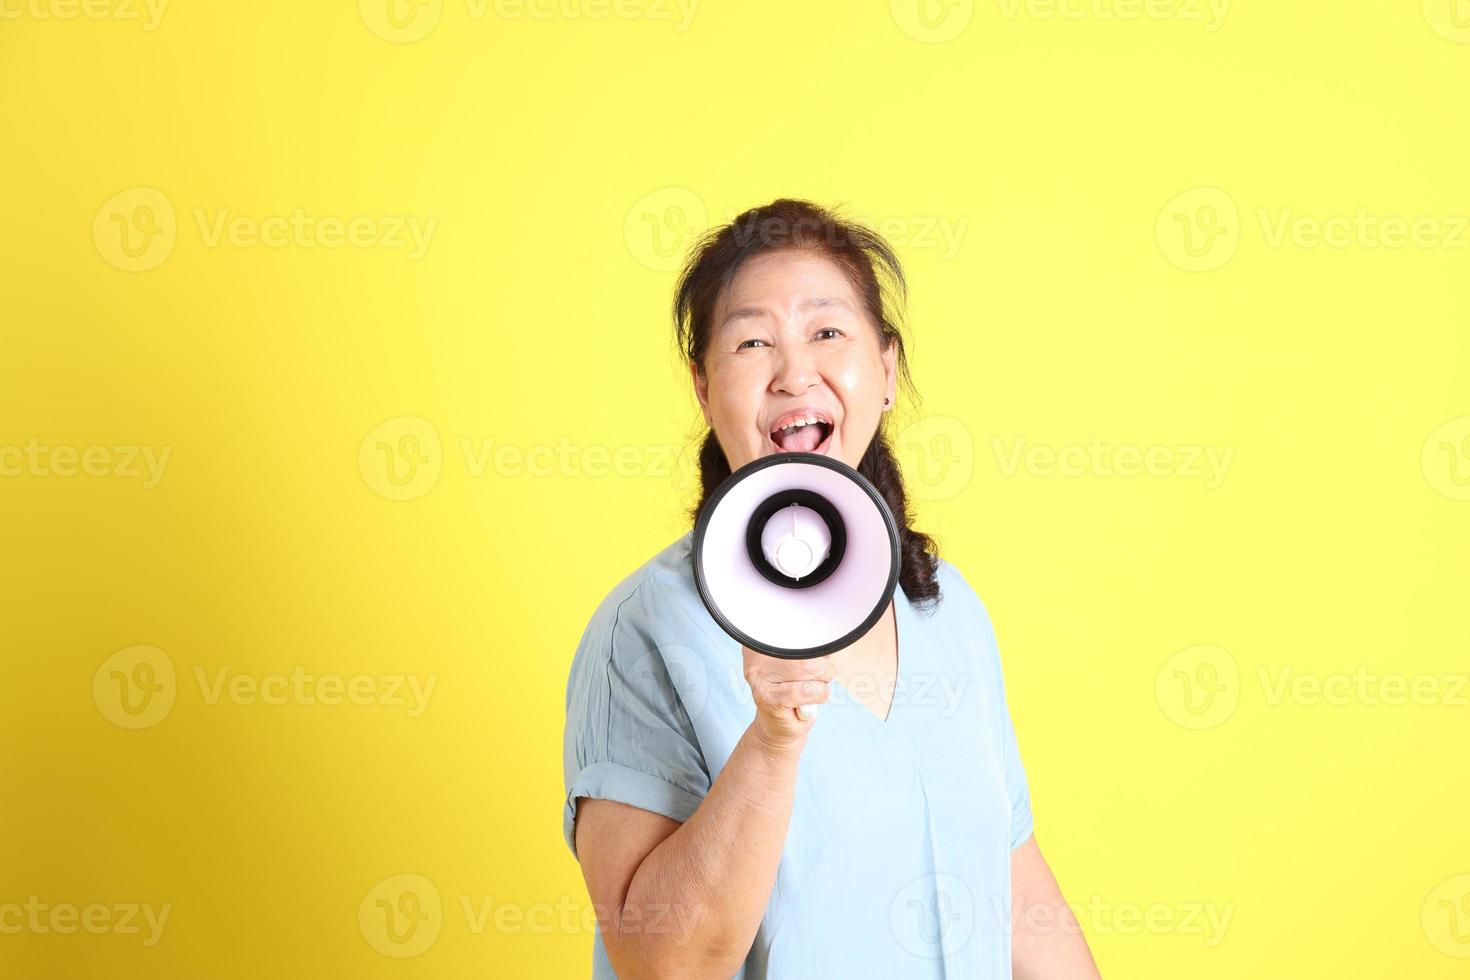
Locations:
796 371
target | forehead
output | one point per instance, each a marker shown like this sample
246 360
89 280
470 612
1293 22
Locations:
782 281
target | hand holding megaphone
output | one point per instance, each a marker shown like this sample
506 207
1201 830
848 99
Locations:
796 557
787 693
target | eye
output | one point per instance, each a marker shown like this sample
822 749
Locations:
832 330
751 341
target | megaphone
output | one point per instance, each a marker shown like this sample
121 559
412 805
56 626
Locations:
796 555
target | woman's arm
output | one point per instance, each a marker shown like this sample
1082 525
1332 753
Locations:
685 900
1046 939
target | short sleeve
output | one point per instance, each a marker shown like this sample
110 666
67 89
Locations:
1017 787
628 736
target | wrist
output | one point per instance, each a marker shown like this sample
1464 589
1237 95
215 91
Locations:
775 751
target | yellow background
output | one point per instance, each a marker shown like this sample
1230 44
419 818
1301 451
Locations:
1074 151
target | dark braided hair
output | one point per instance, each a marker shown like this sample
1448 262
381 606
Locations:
873 269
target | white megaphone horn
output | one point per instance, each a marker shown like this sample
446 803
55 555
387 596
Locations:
796 555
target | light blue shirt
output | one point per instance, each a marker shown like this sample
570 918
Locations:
897 861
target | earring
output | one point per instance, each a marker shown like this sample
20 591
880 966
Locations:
885 402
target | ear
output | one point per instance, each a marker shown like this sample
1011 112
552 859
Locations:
890 371
701 389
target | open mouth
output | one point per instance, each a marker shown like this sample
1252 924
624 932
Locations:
802 434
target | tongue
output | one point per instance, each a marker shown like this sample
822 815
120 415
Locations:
802 440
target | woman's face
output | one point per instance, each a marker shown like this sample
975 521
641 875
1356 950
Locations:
790 342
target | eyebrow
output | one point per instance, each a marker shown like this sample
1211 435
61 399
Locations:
816 302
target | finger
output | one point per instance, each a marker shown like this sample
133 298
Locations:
815 669
819 668
821 677
784 694
794 694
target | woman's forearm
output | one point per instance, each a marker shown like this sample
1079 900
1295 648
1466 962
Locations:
711 879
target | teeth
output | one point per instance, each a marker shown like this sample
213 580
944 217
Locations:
798 423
